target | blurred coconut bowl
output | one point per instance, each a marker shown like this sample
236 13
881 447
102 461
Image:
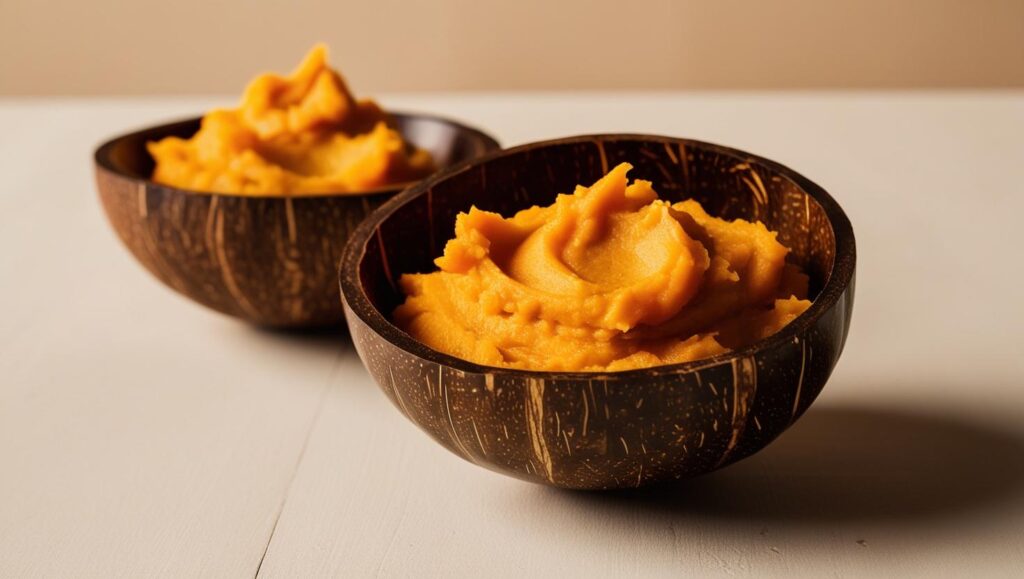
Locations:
272 260
604 430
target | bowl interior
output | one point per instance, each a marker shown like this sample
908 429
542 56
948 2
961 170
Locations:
449 142
412 230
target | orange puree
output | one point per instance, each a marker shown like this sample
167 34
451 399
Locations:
303 133
608 278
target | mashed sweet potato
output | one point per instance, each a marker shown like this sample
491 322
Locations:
300 134
607 278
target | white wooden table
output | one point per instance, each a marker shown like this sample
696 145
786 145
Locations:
143 436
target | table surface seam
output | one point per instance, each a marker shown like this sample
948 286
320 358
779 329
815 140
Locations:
298 462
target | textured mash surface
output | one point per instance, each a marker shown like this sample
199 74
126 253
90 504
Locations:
304 133
607 278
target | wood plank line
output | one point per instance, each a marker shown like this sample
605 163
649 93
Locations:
298 461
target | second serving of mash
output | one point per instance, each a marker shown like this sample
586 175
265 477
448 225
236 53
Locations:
302 134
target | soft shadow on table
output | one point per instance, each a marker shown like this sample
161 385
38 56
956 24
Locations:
845 465
328 338
279 347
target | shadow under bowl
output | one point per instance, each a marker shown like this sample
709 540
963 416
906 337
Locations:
271 261
604 430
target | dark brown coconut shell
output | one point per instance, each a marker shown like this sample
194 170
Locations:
268 260
621 429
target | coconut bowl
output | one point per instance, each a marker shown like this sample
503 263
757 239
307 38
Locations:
271 260
584 430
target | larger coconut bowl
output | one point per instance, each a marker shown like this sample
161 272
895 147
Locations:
269 260
619 429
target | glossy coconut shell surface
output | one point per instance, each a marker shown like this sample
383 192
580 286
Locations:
620 429
269 260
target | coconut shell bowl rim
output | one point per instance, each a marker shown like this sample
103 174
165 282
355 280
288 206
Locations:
103 157
838 278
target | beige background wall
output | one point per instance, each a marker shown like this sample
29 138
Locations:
213 46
